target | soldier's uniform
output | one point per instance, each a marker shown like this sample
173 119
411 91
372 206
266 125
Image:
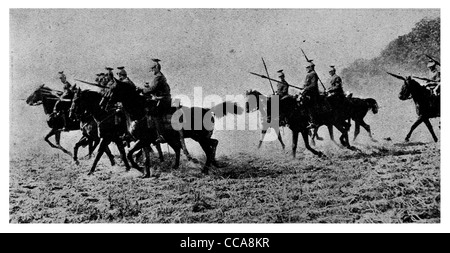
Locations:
435 76
60 107
335 82
310 95
282 92
282 88
160 89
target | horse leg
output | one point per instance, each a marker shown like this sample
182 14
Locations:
103 144
50 134
357 129
206 146
367 127
175 144
430 128
121 148
58 145
147 173
330 131
263 133
183 146
214 144
305 140
294 142
416 124
92 146
344 136
137 146
316 134
279 139
110 156
160 153
81 142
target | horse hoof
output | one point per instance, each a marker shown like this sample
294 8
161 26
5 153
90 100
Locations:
145 176
406 139
90 173
217 164
319 138
321 155
77 162
205 170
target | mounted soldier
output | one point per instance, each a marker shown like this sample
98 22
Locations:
61 107
282 92
310 94
434 77
123 76
335 88
159 91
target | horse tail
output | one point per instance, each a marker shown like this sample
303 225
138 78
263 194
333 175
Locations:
373 105
225 108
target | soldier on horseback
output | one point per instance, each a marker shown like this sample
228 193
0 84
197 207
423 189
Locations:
434 81
60 108
335 88
282 92
158 90
123 76
310 95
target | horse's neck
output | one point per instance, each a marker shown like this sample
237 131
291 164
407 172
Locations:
135 107
48 105
420 93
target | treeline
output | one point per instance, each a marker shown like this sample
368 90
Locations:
407 54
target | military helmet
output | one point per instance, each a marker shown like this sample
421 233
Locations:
155 63
122 71
310 64
332 68
280 73
61 75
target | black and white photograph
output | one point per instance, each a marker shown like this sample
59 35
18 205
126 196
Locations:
218 116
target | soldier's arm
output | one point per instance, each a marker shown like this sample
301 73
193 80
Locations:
153 86
307 81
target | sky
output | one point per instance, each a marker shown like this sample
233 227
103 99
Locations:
210 48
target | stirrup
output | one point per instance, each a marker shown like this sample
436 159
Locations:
160 139
312 126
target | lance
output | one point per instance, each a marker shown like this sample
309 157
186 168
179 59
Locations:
267 72
276 81
397 76
94 84
308 60
423 79
431 58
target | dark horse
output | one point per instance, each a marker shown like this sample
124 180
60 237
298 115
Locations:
137 107
357 109
48 98
297 118
427 105
87 101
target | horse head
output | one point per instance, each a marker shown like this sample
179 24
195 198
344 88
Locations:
252 98
36 97
406 90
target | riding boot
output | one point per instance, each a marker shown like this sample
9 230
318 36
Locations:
312 120
65 127
159 129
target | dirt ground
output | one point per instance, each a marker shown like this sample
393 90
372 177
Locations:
381 182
